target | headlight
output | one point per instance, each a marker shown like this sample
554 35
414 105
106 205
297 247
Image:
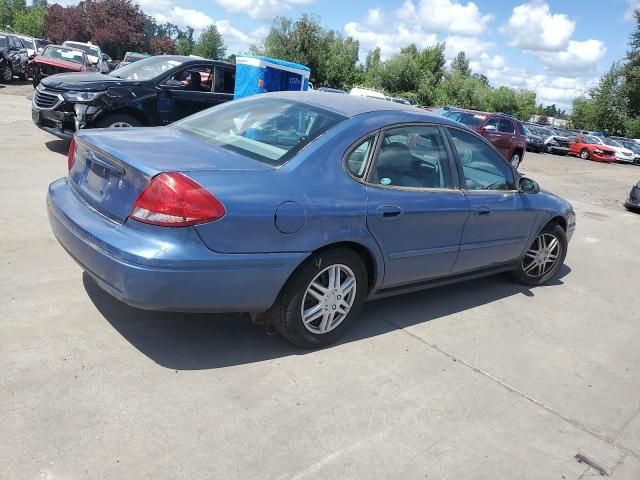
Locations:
597 150
81 96
553 142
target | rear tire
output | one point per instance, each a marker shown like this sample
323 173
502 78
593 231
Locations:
6 74
584 154
323 310
118 120
550 245
516 158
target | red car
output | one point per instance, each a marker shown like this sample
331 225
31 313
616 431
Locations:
588 147
505 132
56 59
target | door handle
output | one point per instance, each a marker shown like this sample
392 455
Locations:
388 212
482 211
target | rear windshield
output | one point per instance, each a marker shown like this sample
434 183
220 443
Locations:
466 118
64 54
269 130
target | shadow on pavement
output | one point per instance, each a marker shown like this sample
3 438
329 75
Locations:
58 146
187 341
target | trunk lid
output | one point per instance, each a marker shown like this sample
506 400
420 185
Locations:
113 166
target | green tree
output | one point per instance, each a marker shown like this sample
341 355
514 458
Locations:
526 104
30 21
504 99
210 44
8 11
460 65
184 46
632 70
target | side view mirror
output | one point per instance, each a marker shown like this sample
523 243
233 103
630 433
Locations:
490 128
526 185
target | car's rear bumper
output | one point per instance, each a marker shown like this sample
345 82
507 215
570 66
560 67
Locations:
161 268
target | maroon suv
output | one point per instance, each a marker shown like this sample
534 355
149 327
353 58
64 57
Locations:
503 131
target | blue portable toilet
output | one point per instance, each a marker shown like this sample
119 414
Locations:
256 74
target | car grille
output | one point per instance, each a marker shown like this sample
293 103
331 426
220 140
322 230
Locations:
45 99
562 143
607 153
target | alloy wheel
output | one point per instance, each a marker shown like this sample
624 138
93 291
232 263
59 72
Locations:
6 74
328 299
543 255
119 125
515 160
584 154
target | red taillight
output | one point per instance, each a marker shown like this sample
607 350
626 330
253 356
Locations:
71 156
174 200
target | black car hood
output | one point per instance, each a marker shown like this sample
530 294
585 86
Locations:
85 81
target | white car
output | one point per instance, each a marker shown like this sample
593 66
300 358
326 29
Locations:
622 154
93 53
30 44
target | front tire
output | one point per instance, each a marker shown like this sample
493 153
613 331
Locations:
118 120
543 259
584 154
321 298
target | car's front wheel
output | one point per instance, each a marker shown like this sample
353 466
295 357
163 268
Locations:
544 257
118 120
321 299
584 154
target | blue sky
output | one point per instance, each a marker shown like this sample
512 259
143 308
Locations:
557 48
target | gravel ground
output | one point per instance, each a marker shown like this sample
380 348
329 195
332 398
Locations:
481 380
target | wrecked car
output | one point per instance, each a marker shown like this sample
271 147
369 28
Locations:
56 59
153 91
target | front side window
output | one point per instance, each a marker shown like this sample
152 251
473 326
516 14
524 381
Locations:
194 79
357 159
493 124
483 168
266 129
413 156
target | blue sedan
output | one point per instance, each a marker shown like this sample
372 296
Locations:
298 207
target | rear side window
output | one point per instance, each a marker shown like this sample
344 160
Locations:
357 159
506 126
225 80
520 128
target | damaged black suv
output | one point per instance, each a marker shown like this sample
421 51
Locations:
154 91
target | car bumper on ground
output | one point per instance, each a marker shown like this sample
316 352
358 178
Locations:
161 268
633 201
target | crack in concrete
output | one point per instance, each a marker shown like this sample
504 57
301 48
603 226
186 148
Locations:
572 421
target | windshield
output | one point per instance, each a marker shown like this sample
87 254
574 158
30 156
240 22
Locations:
611 142
269 130
635 147
134 57
466 118
59 53
4 43
545 131
88 49
146 68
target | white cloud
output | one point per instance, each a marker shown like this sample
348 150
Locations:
236 40
532 26
449 16
473 47
261 9
632 5
579 58
390 41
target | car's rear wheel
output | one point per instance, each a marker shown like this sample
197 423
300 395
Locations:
515 160
584 154
6 74
321 299
118 120
544 257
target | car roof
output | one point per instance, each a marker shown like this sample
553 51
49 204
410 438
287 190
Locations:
352 105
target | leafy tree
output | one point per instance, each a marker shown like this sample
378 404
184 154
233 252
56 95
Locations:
632 70
65 23
460 65
162 45
504 99
210 44
184 46
8 11
526 104
30 21
115 25
338 65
